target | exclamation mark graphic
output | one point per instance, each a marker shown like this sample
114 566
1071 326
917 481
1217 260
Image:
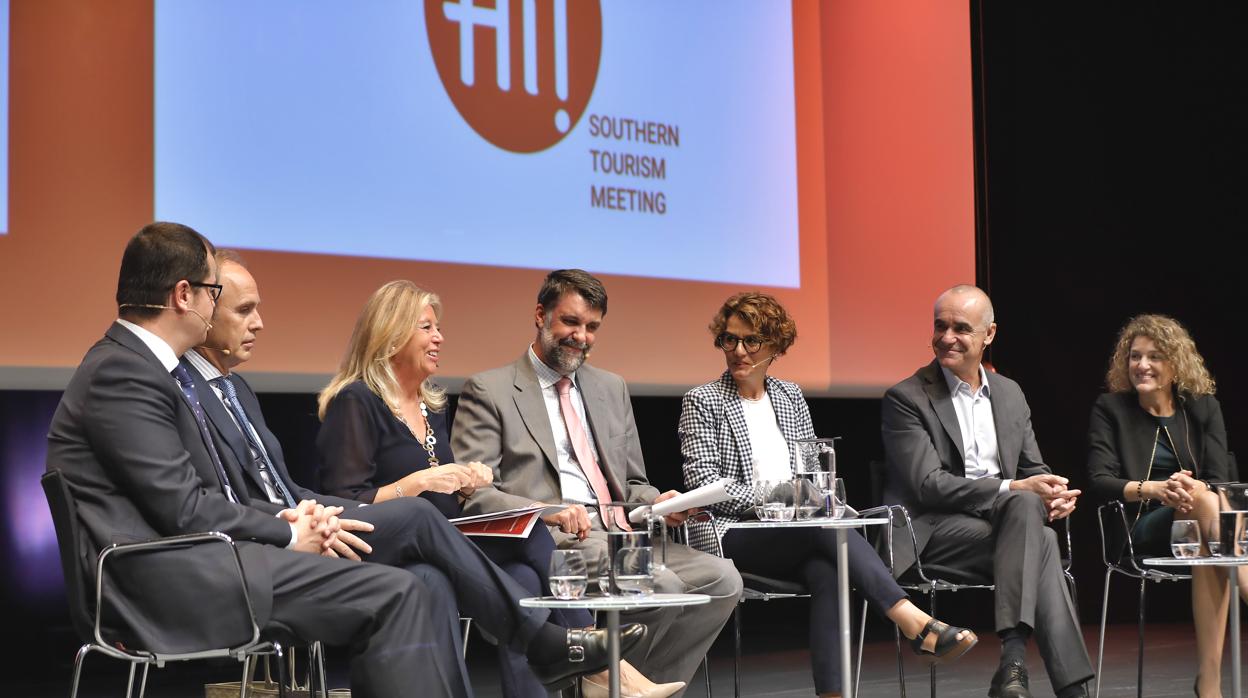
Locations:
562 121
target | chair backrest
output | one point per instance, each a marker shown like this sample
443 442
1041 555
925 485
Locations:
69 541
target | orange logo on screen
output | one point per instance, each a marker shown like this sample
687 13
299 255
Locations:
520 72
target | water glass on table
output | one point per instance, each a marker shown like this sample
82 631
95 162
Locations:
1185 539
634 571
774 500
568 578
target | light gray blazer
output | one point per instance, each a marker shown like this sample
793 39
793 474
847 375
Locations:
502 422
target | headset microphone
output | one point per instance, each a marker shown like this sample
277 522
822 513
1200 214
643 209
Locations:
760 363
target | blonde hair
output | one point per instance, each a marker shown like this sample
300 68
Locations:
1175 344
385 324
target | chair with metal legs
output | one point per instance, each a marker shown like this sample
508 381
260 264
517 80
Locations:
88 610
1112 519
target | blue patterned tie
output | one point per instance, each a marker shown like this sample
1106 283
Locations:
188 389
261 457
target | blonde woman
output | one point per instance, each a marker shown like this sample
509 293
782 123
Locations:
385 434
1157 440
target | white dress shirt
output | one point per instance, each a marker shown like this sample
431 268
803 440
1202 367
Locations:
572 481
979 431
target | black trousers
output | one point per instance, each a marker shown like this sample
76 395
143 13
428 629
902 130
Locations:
410 531
1015 549
809 555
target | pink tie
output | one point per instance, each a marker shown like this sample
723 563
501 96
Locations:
585 455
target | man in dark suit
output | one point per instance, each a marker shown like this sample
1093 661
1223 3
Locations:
141 462
558 431
963 459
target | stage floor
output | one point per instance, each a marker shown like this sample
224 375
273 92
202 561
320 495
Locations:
1169 670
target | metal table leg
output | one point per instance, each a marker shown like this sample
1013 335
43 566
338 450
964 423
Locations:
613 652
1233 573
842 575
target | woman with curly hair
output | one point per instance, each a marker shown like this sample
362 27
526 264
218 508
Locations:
741 426
1157 440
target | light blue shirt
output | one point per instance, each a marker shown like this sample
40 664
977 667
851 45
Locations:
980 457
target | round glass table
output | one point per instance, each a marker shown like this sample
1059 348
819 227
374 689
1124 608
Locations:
611 606
1233 610
842 573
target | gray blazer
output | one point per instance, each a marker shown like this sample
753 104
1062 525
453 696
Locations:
924 452
502 422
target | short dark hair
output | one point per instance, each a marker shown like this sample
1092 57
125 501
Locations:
158 257
561 281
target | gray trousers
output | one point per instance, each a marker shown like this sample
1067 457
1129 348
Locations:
678 638
1015 549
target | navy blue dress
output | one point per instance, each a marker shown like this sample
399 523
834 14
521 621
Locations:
363 446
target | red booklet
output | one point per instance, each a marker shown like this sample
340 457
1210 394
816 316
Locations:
513 523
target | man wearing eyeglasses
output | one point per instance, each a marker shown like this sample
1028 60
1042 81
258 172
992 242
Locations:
556 430
963 460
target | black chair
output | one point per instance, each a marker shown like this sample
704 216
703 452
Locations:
1118 553
89 613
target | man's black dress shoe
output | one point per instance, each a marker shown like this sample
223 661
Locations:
587 654
1010 681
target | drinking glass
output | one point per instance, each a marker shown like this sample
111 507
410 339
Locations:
1185 539
604 573
837 498
567 574
1233 518
657 528
775 500
634 573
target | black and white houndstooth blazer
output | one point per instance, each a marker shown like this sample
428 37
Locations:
715 443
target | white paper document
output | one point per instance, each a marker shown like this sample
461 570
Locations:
703 496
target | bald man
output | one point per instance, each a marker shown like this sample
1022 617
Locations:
963 460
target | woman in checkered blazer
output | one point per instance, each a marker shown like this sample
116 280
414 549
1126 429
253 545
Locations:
740 426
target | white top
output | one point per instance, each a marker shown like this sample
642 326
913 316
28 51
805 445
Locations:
572 481
979 431
770 450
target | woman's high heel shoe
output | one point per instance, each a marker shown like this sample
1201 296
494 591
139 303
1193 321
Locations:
948 646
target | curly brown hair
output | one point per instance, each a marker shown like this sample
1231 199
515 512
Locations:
763 313
1173 341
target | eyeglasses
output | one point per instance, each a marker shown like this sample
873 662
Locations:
728 342
214 290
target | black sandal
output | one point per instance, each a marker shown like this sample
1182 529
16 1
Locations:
948 646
